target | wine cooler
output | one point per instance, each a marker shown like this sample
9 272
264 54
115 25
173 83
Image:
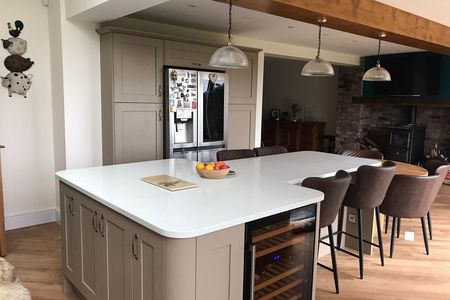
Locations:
279 260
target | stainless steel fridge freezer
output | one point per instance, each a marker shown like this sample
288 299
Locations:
196 113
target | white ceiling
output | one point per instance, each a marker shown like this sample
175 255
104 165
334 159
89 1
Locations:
213 16
436 10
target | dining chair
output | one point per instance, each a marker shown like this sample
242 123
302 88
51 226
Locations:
235 154
375 154
368 191
410 197
270 150
334 189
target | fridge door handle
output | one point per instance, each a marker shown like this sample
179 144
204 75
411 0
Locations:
160 114
252 271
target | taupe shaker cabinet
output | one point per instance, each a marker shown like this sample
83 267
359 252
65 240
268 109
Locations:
132 93
138 63
108 256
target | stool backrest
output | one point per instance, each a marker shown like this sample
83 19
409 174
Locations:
270 150
410 196
371 184
334 189
235 154
375 154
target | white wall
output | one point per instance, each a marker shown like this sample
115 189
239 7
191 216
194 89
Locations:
283 86
26 124
75 61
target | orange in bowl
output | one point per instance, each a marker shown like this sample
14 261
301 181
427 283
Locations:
213 170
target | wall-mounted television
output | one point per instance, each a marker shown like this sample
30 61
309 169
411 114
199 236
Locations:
421 74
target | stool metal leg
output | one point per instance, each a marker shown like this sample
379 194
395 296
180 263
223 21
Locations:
380 237
386 225
398 227
361 245
430 228
425 238
394 222
340 226
333 258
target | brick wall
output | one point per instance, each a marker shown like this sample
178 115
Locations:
353 120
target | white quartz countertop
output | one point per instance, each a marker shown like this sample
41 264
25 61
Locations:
262 186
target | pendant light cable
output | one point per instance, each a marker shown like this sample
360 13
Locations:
379 48
320 40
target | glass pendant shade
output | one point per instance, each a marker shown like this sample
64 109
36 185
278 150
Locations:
317 67
229 57
377 73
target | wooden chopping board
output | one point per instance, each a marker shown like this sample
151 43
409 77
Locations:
169 182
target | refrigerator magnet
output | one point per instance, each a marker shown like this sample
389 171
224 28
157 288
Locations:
194 105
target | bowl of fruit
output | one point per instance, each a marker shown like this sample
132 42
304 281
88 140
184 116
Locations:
213 170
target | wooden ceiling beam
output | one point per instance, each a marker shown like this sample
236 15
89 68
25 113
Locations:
361 17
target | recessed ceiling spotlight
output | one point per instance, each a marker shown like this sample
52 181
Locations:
246 18
326 34
291 27
355 41
192 5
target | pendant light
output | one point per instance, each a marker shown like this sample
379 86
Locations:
229 56
377 73
318 67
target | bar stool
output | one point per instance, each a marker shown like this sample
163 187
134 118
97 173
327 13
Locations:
235 154
270 150
410 197
367 192
334 189
434 167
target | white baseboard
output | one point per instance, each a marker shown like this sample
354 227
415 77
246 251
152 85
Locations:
31 218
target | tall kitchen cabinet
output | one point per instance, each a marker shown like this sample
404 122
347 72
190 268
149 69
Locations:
132 93
242 104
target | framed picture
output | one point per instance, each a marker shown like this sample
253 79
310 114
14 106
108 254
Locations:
275 114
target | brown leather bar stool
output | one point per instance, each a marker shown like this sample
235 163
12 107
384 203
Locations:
410 197
434 167
235 154
270 150
334 189
367 192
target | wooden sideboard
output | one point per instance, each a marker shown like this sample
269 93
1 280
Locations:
295 136
2 213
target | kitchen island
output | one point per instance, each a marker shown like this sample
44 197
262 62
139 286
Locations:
126 239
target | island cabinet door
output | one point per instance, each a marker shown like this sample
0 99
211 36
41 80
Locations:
116 259
71 239
147 251
220 265
90 281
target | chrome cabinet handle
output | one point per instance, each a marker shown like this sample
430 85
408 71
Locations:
160 114
159 90
102 221
71 210
95 221
134 247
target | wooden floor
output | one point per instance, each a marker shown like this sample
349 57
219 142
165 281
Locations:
411 274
